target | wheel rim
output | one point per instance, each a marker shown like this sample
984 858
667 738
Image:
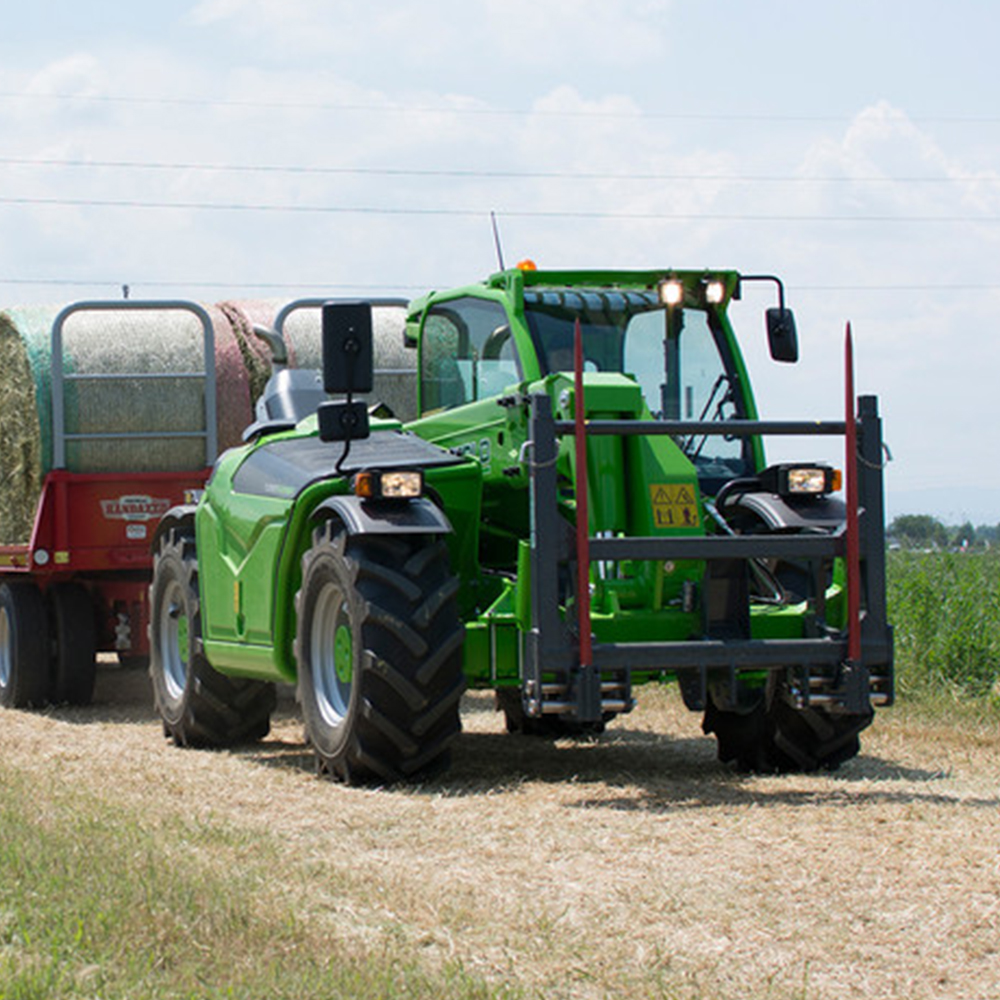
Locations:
174 640
331 655
5 650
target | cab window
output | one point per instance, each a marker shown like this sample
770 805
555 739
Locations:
466 353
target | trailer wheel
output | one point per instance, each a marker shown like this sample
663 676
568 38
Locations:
776 737
379 650
199 706
24 646
74 660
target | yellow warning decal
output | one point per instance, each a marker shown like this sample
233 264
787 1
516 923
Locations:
675 505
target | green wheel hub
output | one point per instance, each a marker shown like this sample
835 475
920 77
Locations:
343 655
332 655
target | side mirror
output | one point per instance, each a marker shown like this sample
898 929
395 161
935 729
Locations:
348 363
348 368
781 336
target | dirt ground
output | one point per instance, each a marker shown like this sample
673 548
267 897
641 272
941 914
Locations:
628 865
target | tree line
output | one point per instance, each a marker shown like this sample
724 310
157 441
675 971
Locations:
923 531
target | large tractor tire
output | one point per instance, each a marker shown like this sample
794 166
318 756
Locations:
74 658
773 736
379 650
24 646
199 706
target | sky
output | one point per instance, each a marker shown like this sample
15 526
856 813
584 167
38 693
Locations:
288 148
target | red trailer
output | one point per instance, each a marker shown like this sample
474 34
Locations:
79 585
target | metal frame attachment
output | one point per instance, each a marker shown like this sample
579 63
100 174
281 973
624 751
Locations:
559 673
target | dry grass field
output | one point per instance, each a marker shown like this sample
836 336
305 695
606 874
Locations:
631 865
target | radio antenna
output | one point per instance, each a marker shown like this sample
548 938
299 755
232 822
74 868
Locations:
496 240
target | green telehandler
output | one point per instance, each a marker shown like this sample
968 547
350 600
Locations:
581 506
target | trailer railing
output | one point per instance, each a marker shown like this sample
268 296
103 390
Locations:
60 377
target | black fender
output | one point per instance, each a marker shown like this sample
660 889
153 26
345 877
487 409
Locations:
177 517
792 514
367 517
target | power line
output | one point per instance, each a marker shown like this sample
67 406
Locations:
791 289
479 174
395 108
638 216
259 286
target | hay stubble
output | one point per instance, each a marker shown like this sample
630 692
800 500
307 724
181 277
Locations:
631 865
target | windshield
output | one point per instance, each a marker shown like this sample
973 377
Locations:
678 358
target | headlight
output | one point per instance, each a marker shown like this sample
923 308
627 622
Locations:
715 292
800 480
806 480
671 292
401 485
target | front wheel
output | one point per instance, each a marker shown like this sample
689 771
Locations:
772 735
379 649
199 706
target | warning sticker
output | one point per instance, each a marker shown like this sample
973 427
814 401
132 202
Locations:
675 505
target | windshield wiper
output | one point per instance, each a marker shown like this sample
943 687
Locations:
727 397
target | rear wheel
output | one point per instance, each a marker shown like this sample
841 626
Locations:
772 735
198 706
24 646
74 661
379 654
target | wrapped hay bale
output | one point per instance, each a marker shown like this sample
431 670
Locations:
20 438
126 372
255 354
395 381
234 381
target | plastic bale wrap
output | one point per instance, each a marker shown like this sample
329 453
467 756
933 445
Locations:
255 353
234 381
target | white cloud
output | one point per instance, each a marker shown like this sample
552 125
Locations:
77 75
574 34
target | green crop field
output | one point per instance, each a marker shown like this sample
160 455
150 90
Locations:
945 607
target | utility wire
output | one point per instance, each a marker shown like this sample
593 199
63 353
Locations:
643 215
482 174
392 108
361 287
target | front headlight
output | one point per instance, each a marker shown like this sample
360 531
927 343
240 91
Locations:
806 480
398 485
793 479
671 292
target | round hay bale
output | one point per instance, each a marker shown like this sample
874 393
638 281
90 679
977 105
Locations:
395 382
126 371
254 352
20 438
234 384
